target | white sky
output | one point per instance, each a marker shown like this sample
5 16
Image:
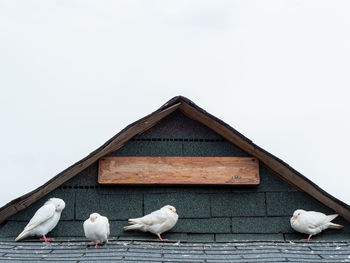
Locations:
74 73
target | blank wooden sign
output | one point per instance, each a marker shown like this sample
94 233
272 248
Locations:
179 170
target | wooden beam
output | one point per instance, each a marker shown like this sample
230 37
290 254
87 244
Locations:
179 170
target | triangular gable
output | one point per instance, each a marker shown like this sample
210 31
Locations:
194 112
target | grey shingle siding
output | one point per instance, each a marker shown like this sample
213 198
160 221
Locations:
206 213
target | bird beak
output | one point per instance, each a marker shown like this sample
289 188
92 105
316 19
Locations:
92 220
294 218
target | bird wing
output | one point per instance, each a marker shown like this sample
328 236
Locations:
106 222
156 217
86 226
41 215
315 219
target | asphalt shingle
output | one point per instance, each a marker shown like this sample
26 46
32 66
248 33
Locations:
138 251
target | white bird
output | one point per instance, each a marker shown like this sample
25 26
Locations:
312 223
44 220
96 229
156 222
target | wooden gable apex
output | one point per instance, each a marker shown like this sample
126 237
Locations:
194 112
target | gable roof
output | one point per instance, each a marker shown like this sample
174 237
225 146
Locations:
194 112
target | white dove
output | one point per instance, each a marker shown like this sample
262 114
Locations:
312 223
156 222
44 220
96 229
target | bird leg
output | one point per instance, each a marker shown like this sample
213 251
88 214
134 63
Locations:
46 239
306 239
162 239
94 246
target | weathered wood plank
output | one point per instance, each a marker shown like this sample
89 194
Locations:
179 170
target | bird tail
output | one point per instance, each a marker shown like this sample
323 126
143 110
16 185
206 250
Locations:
135 224
24 234
331 217
335 226
132 227
134 221
332 225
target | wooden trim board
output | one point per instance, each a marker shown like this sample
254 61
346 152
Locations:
179 170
